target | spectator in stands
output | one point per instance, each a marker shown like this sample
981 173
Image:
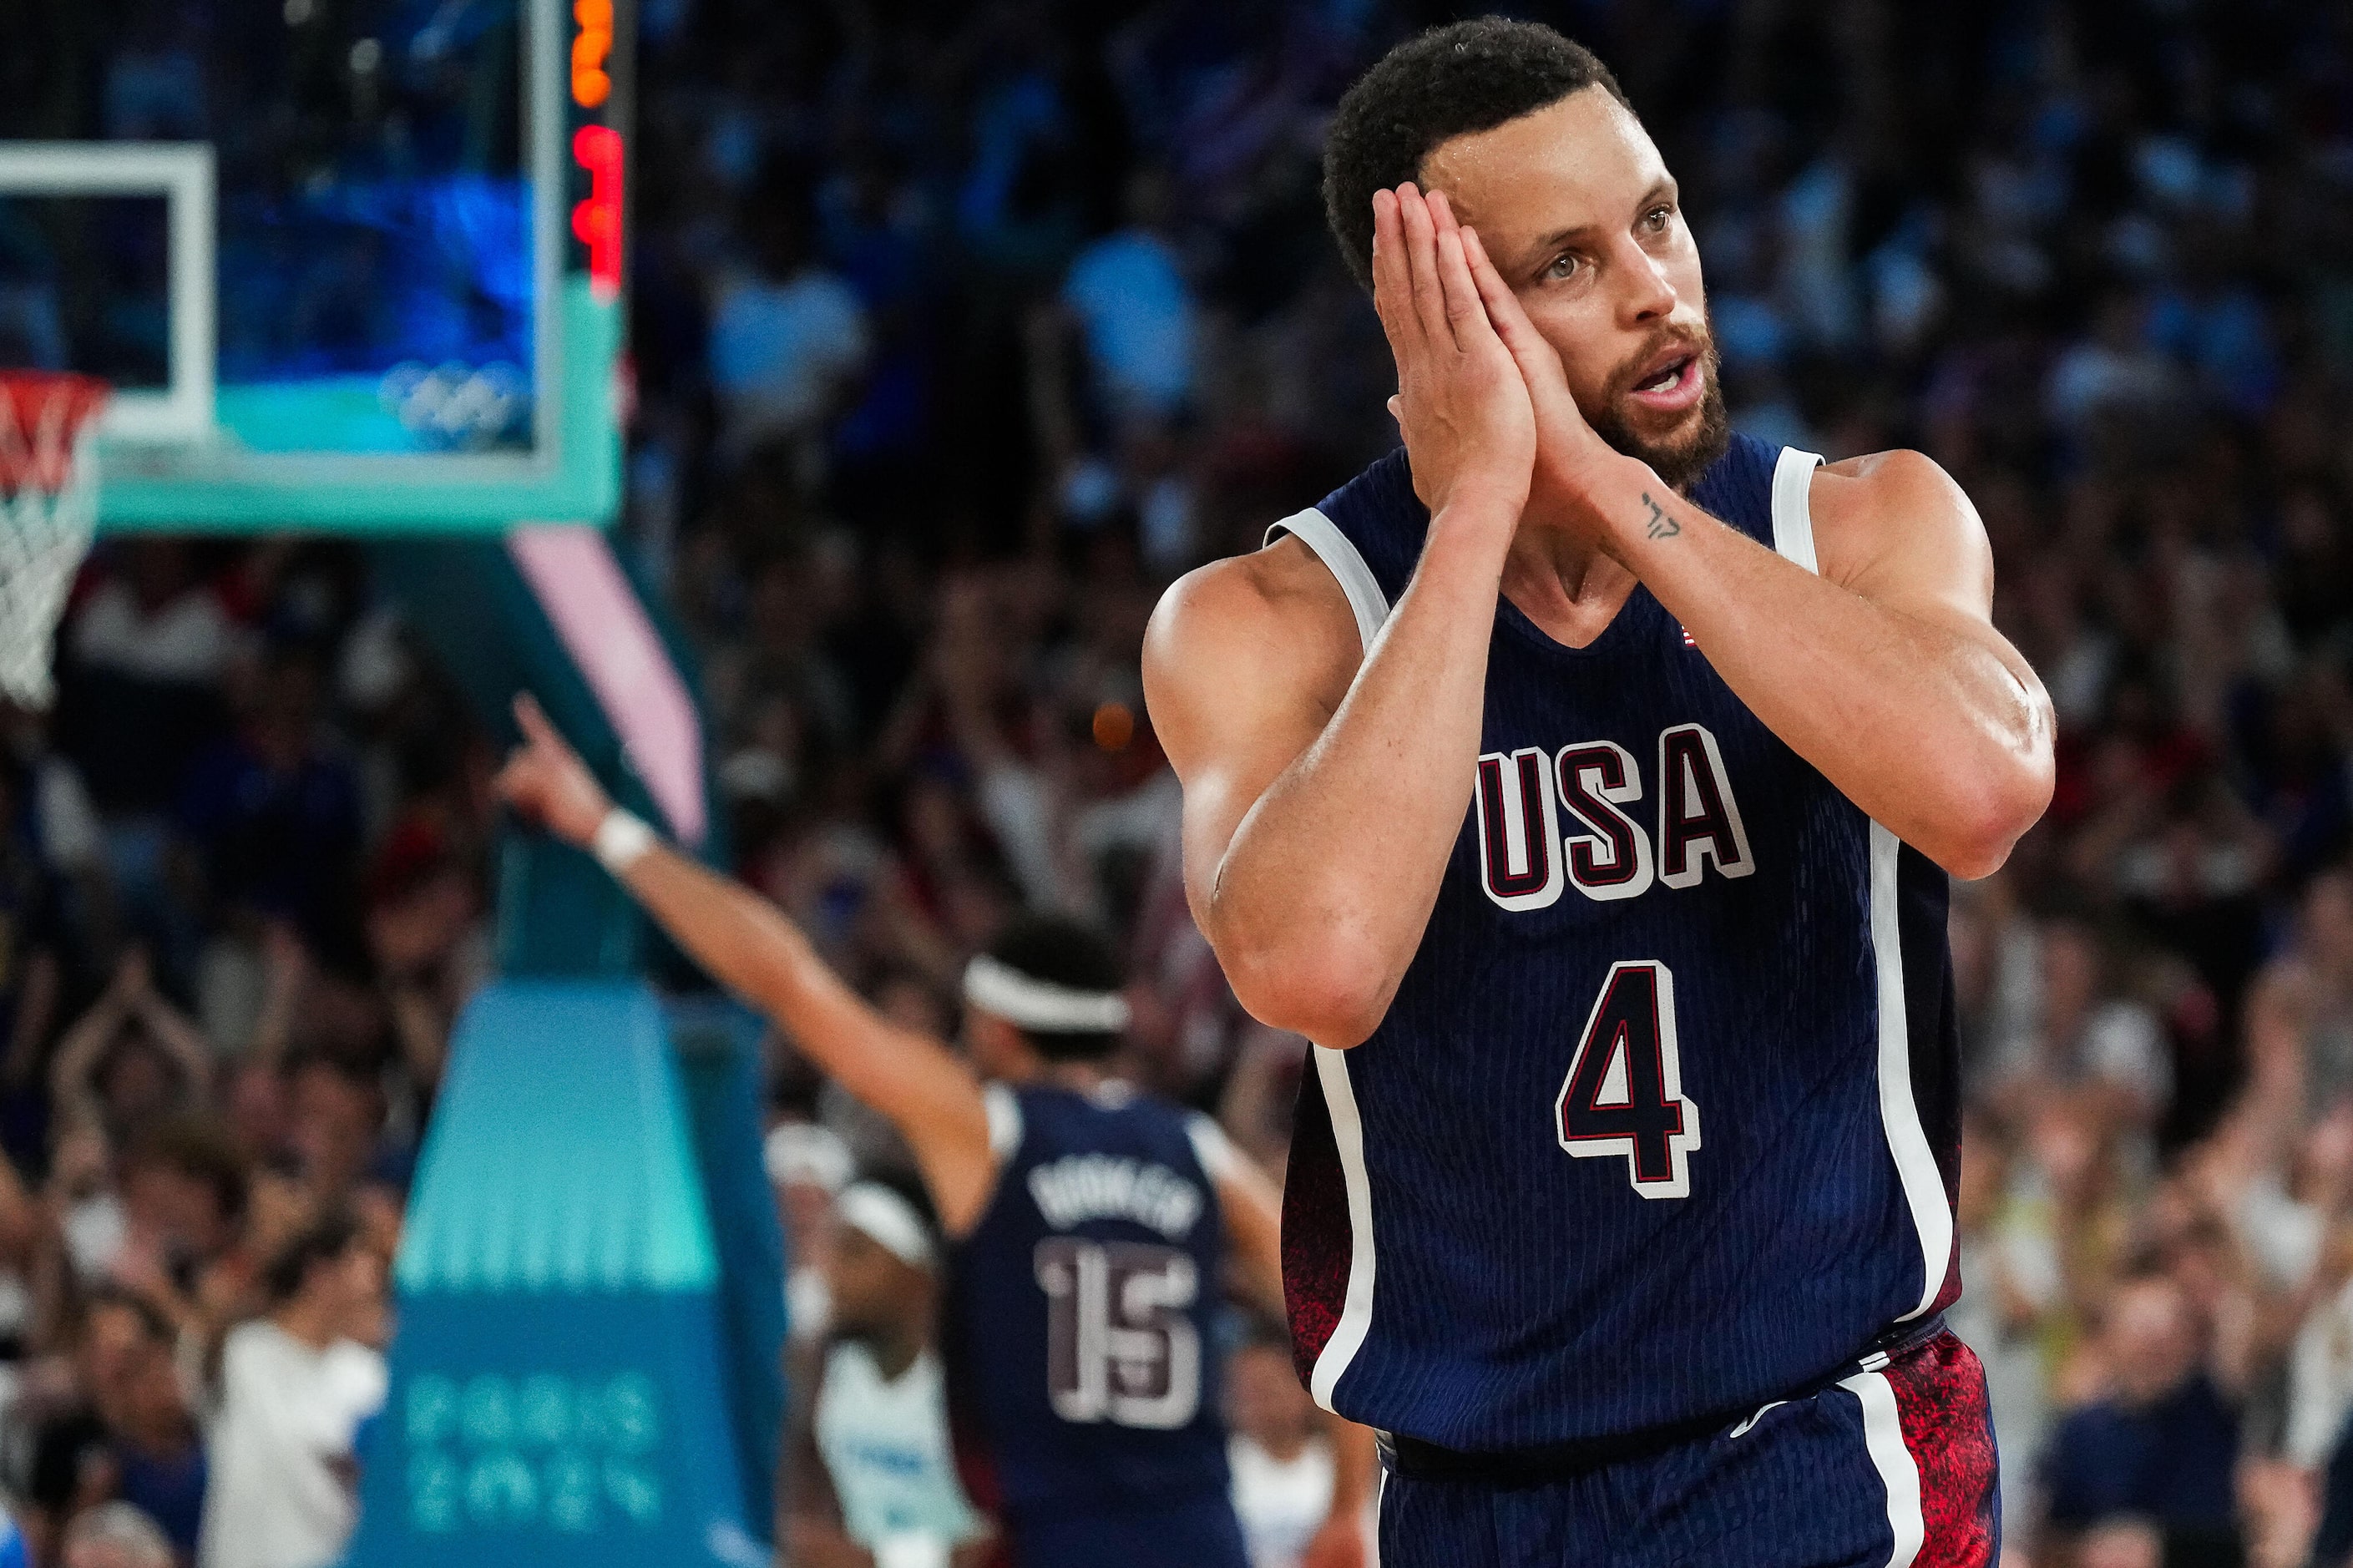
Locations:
2159 1447
788 337
424 944
146 654
2300 1016
273 808
335 1112
184 1190
1135 309
67 1472
295 1386
133 1058
2080 1035
151 1439
2011 1271
1282 1460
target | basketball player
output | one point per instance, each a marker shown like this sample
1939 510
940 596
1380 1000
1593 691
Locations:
1087 1223
1583 780
873 1484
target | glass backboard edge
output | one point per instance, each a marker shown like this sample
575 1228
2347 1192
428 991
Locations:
376 495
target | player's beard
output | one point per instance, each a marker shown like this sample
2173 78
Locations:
1680 458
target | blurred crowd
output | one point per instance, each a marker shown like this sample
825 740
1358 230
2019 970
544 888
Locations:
959 331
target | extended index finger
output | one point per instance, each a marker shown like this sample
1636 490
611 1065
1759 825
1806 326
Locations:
537 731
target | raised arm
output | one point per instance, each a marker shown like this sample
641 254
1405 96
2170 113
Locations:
1883 670
745 943
1324 784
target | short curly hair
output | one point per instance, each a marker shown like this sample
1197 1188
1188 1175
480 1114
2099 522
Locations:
1450 81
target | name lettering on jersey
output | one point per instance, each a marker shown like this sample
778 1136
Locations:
1077 1188
1547 823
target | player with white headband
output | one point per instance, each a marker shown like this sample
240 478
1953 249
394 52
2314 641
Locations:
873 1474
1088 1224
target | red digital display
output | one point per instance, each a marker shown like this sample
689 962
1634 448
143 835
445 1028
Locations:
596 220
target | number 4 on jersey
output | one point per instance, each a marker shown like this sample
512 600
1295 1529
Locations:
1624 1094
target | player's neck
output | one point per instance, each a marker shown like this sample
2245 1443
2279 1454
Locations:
1557 575
308 1321
895 1346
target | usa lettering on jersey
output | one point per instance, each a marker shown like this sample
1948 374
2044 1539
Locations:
1552 820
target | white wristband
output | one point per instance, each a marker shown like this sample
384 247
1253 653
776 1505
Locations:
620 841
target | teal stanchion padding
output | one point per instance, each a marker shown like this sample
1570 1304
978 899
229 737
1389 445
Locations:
558 912
558 1393
717 1044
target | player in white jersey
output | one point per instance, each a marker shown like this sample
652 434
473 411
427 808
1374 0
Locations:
871 1469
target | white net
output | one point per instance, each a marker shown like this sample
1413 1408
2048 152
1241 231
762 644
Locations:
49 511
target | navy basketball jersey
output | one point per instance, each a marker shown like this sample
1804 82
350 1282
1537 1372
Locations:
1663 1121
1080 1306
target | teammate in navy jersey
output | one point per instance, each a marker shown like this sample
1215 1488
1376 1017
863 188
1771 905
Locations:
1089 1226
1583 780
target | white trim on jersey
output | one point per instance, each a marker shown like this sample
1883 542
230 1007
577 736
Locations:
1357 1307
1323 536
1899 1113
1793 511
1883 1438
1003 1112
1907 1141
1346 565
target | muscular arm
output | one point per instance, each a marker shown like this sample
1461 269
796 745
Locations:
1323 789
1321 798
747 945
924 1088
1884 671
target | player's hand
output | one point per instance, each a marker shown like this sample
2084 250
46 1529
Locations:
545 778
1461 401
1568 449
1340 1543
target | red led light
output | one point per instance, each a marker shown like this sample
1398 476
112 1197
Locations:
597 221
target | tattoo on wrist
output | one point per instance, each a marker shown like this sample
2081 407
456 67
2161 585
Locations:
1661 526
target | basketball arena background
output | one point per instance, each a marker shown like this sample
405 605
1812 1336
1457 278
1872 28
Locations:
909 349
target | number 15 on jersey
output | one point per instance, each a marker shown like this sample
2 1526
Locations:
1624 1092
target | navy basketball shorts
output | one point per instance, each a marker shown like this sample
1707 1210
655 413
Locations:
1891 1467
1203 1535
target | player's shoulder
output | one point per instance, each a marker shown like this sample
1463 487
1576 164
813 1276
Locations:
1287 579
1876 483
1273 609
1283 582
1864 506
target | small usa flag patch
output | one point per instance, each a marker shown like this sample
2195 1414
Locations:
1687 637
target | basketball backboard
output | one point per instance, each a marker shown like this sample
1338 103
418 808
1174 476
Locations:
352 265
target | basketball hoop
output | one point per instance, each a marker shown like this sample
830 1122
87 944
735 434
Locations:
49 511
